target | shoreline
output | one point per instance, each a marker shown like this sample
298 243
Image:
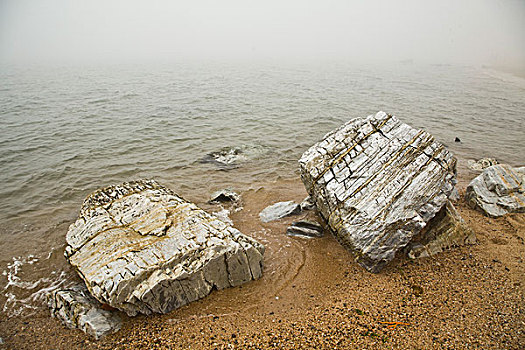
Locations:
312 294
515 71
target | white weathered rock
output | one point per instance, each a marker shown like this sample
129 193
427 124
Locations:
481 164
141 248
279 210
498 190
377 182
446 230
77 309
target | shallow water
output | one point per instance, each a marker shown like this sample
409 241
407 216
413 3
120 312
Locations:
67 131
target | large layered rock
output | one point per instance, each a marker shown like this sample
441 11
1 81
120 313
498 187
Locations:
378 182
498 190
141 248
77 309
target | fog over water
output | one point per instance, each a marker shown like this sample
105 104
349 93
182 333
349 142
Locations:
447 31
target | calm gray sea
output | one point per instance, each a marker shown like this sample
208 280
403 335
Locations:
67 131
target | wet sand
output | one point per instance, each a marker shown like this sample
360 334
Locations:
312 295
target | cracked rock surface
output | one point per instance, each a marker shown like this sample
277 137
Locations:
141 248
498 190
77 309
377 182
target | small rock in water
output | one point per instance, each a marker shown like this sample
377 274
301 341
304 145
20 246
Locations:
225 195
479 165
498 190
77 309
457 139
228 156
279 210
308 204
231 157
305 229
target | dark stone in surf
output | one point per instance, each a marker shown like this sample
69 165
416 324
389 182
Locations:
305 229
227 158
224 196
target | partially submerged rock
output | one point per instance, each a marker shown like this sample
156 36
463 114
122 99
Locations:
308 229
446 230
377 182
279 210
226 157
498 190
225 195
232 157
77 309
480 164
141 248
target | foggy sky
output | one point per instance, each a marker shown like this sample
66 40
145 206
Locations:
435 31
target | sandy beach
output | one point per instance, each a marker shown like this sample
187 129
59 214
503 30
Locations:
312 295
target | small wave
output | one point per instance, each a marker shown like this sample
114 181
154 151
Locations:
128 95
16 306
13 269
26 290
99 101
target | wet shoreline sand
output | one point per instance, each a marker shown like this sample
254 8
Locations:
312 295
